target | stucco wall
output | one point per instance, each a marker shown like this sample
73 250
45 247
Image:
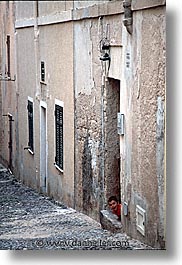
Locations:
87 116
76 76
24 9
7 88
82 4
53 45
59 76
26 85
141 183
47 7
96 107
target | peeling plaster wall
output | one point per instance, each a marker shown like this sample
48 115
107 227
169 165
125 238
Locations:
96 107
87 117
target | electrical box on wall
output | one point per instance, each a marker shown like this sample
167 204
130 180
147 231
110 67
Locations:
120 124
125 209
140 219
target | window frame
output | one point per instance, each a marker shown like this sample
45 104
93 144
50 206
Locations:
42 72
30 130
59 165
8 47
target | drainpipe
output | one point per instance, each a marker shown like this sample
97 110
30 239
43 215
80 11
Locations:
36 51
36 48
102 200
103 77
128 17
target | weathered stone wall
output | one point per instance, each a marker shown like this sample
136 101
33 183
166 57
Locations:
87 181
87 117
96 107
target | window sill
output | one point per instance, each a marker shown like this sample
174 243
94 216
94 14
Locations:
43 83
58 168
30 151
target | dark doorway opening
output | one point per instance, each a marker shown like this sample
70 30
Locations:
112 143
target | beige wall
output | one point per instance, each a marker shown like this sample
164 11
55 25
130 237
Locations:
47 7
143 93
68 43
94 105
53 45
24 9
58 57
82 4
26 85
87 84
138 61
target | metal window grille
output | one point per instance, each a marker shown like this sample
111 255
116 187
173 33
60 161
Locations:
59 136
30 125
8 55
42 71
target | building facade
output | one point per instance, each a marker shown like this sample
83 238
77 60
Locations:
7 84
87 100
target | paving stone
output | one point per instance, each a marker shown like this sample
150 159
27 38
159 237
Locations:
32 221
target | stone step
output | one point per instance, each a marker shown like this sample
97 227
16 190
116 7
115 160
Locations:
109 222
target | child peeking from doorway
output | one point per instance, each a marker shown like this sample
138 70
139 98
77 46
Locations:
115 206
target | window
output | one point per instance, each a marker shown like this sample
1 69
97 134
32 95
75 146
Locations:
59 135
30 125
8 55
42 71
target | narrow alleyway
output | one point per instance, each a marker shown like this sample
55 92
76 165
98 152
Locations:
29 220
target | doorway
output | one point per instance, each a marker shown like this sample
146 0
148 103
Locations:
43 148
112 139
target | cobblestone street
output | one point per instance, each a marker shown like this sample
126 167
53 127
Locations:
30 221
